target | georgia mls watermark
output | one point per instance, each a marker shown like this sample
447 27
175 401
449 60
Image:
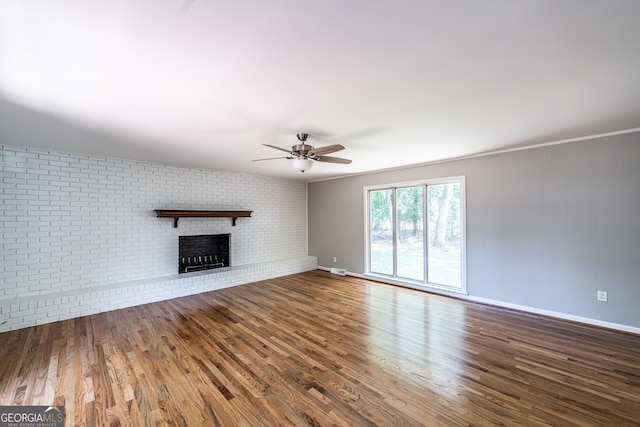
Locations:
31 416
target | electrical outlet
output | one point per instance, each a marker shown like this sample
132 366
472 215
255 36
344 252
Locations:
335 259
602 296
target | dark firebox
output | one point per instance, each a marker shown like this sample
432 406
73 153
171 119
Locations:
203 252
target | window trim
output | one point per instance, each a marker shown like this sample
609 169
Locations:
422 285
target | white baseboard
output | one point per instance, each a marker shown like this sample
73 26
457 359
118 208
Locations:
502 304
554 314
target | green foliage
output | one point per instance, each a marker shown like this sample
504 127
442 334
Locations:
435 193
379 209
410 210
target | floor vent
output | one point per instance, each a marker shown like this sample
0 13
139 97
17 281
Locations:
339 271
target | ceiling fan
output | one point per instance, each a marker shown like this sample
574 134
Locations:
304 154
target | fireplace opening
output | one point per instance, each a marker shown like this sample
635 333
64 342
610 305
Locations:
203 252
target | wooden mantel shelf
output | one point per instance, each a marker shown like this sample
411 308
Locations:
176 215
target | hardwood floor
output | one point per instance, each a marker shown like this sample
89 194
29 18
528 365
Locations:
318 349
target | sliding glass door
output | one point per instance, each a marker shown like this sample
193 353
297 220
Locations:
415 232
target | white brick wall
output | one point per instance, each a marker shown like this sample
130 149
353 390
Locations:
79 234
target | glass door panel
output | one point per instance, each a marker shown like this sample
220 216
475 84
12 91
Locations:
381 232
410 232
444 234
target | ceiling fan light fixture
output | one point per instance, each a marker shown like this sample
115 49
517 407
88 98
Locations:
302 164
304 155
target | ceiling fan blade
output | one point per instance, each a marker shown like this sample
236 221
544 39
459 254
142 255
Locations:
329 159
272 158
277 148
327 149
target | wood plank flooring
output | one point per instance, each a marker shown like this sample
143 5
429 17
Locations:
319 349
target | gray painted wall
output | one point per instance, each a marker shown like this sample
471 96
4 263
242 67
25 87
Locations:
546 227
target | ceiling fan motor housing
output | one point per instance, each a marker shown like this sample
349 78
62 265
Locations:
301 150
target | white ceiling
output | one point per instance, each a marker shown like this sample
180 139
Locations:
203 83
